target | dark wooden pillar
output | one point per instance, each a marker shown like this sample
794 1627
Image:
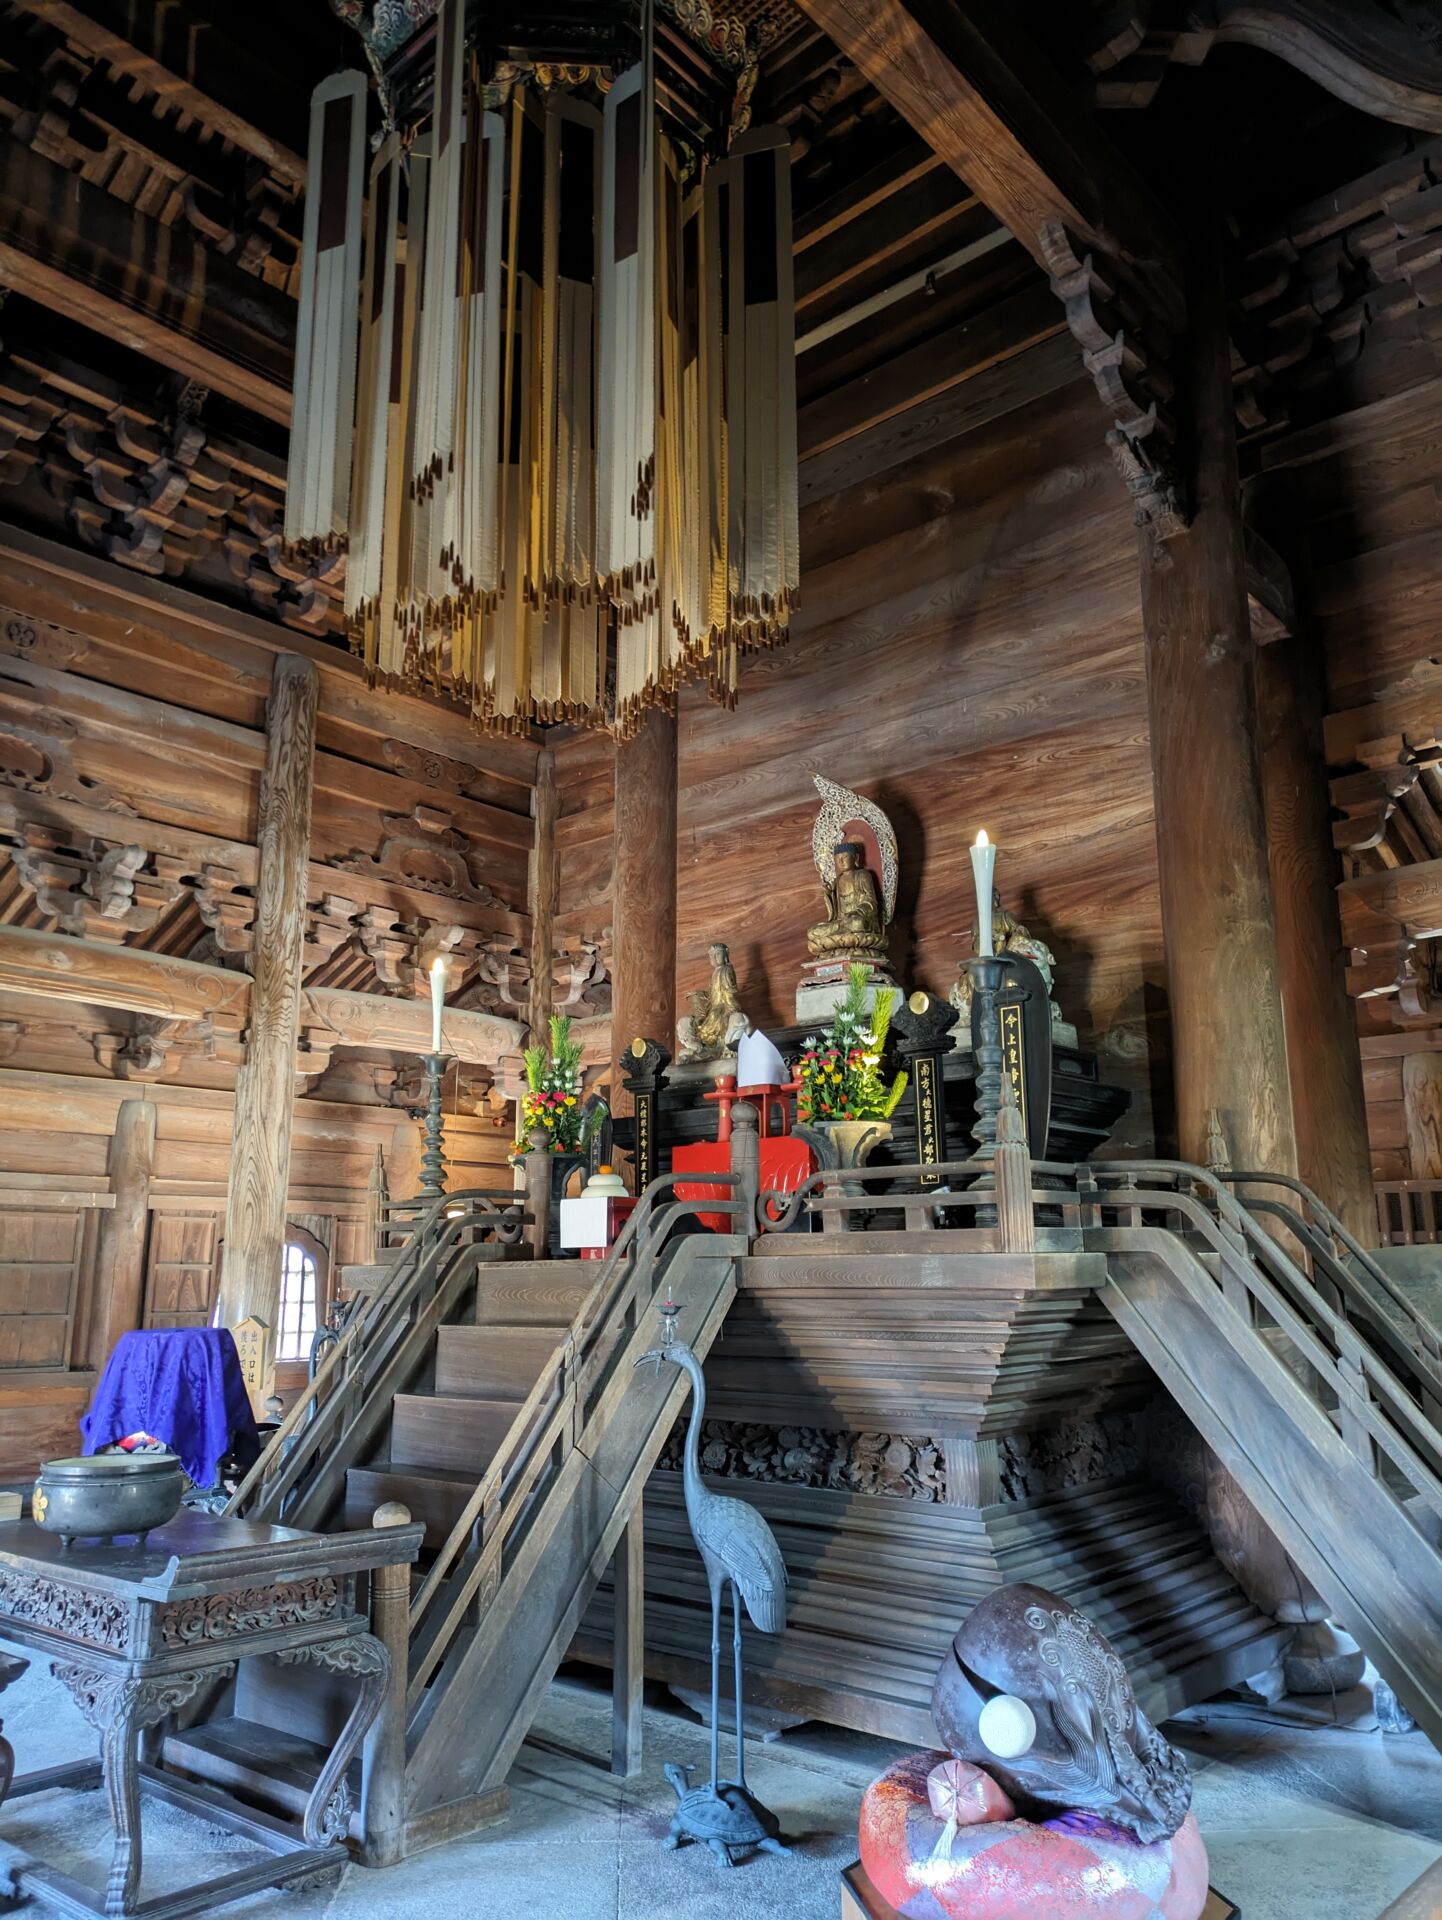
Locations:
543 883
643 899
120 1253
265 1084
1324 1060
1229 1043
1223 976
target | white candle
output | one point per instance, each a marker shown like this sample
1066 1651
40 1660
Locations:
438 1000
983 866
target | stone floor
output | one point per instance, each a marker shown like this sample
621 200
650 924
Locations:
1313 1816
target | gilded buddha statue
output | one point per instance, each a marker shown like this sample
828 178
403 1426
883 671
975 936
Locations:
860 898
711 1030
853 927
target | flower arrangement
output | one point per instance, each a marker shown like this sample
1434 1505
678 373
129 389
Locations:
840 1073
553 1076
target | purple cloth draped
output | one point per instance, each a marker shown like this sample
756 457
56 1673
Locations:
184 1385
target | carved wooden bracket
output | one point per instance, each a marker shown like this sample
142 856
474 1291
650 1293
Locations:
227 906
329 926
390 945
423 850
94 889
1126 348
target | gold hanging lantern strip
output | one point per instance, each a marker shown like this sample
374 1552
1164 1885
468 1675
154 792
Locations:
317 506
573 483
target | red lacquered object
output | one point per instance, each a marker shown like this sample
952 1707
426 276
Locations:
785 1161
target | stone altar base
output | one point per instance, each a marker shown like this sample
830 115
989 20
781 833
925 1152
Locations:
822 987
699 1073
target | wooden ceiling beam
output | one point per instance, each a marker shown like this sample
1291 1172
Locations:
78 250
56 966
191 68
983 97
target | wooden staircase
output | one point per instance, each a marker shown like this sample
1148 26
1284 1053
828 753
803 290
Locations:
1311 1377
498 1401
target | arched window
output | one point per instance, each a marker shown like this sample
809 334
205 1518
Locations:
299 1302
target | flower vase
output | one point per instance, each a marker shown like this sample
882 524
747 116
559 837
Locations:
849 1143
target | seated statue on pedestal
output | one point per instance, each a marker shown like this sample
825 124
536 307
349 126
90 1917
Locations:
1008 935
854 848
853 926
711 1030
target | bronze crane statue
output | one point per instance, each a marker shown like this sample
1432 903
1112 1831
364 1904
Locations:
735 1544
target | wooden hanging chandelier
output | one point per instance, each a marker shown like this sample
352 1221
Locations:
545 391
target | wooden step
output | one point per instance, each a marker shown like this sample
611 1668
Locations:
263 1765
496 1362
458 1431
531 1293
434 1495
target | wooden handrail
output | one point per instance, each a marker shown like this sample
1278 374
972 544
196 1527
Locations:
518 1461
1247 1258
398 1293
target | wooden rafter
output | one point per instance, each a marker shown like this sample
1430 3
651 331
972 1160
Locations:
984 99
75 248
195 70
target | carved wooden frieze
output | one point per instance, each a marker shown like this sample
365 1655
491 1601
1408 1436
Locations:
376 1020
226 1616
426 767
39 640
37 751
109 1696
875 1463
423 850
99 1619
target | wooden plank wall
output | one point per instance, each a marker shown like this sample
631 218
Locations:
1369 483
967 653
146 704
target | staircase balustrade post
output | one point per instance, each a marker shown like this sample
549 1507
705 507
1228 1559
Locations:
538 1194
1011 1162
746 1165
628 1641
383 1759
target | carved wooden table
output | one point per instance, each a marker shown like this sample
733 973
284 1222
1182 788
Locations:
136 1632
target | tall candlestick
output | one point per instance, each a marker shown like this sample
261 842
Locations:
983 867
438 1000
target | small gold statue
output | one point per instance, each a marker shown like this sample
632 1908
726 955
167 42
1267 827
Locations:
1008 935
853 923
711 1030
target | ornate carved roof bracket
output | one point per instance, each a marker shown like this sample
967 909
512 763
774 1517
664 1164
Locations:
1311 291
1386 60
1126 348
